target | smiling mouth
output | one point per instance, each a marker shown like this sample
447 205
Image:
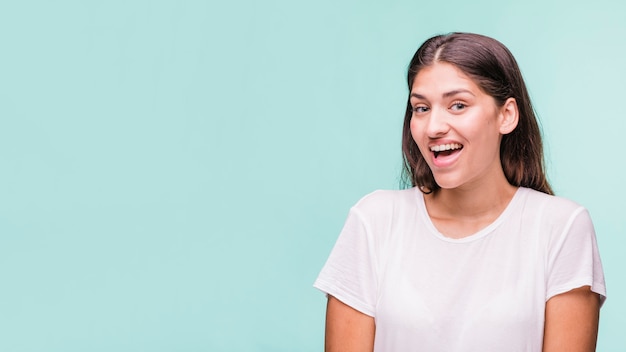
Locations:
445 149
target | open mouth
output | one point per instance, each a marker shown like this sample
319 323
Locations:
445 149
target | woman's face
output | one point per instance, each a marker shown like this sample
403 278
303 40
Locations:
457 127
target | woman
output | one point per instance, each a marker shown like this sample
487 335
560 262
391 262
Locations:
478 255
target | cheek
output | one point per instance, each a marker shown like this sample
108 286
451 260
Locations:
414 130
418 137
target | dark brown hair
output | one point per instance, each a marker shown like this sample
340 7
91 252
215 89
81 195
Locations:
494 69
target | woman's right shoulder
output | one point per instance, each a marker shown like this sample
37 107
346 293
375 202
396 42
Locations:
383 201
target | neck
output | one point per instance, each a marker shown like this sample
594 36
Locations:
461 211
472 202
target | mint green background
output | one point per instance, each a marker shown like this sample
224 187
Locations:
174 173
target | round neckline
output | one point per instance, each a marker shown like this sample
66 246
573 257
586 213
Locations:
477 235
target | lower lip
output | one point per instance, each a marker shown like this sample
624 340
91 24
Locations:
446 161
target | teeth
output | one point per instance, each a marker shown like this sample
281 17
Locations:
444 147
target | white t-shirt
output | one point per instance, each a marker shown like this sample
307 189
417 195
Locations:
484 292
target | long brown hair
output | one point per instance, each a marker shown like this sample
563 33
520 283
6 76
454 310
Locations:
494 69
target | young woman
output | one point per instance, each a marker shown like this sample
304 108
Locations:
478 255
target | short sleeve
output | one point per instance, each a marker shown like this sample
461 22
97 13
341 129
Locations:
574 259
349 273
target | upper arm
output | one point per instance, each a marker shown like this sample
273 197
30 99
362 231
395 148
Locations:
572 321
348 330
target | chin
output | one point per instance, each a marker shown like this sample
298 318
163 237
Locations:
448 183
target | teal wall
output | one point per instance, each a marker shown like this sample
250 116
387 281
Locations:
173 174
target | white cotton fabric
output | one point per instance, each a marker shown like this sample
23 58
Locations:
484 292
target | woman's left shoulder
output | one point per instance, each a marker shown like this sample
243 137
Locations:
551 206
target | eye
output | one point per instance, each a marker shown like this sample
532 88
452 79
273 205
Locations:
458 106
420 109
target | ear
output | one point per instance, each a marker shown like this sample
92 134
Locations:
509 116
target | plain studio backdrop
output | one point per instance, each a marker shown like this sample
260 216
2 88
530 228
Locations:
173 174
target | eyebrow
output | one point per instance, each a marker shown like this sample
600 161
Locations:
446 94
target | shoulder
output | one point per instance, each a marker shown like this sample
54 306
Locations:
550 203
553 211
385 206
382 200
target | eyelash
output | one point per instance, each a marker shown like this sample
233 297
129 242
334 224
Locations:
457 104
415 109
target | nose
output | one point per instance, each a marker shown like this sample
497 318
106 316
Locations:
437 124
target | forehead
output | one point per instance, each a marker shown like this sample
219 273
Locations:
442 77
